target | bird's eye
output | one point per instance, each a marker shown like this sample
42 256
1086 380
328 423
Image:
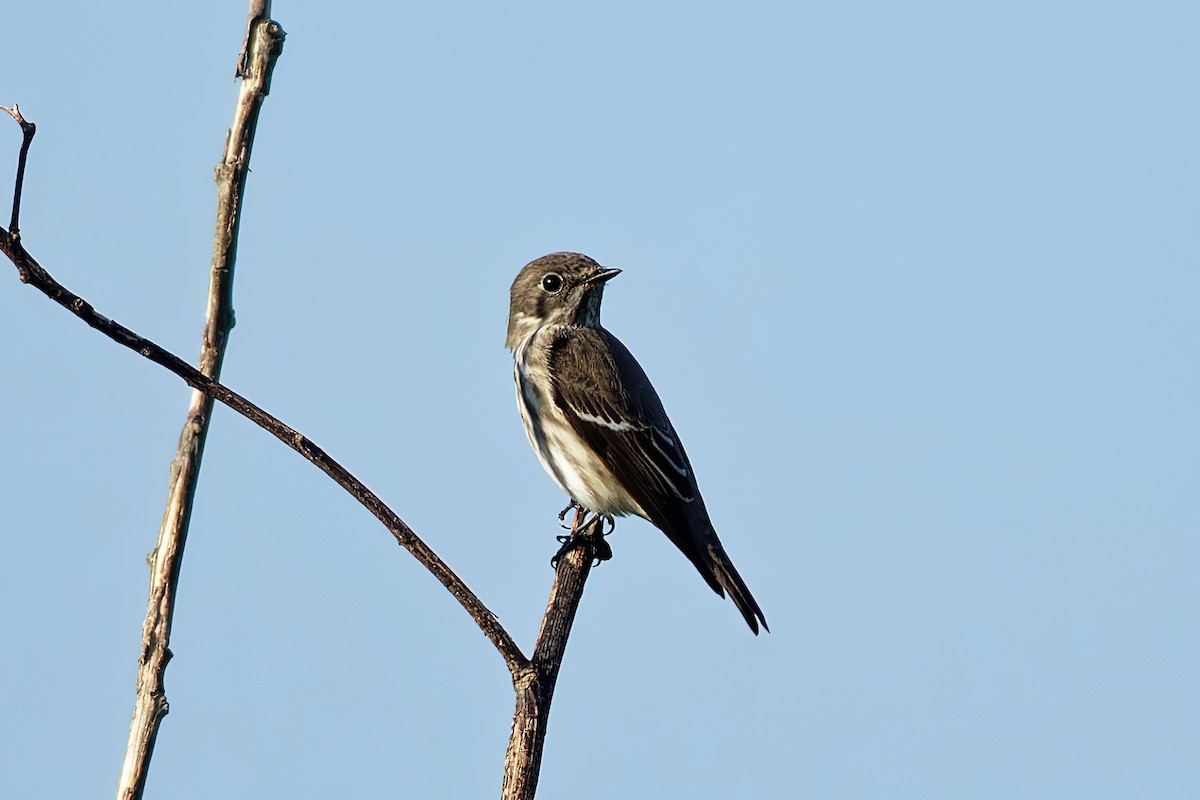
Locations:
552 283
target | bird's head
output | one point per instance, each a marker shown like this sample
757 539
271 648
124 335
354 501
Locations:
558 289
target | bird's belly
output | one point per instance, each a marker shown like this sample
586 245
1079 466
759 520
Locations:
581 474
572 464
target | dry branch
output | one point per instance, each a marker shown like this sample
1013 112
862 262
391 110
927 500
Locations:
263 46
535 684
32 273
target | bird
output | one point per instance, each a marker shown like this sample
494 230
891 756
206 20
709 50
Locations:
596 423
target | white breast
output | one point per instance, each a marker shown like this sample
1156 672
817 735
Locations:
565 456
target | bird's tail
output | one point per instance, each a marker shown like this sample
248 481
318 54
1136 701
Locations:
727 577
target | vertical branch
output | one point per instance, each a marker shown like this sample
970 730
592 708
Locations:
534 684
150 705
28 129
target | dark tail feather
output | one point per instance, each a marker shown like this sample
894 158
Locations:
697 540
727 576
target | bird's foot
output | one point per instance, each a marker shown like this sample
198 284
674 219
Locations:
576 507
603 550
591 530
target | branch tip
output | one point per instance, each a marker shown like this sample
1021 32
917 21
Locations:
28 129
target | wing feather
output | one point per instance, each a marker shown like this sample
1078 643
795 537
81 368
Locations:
611 404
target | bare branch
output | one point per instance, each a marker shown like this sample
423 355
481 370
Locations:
404 535
31 272
535 683
28 129
150 704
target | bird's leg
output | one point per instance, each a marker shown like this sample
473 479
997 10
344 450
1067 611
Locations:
571 540
563 514
580 522
582 526
577 524
603 550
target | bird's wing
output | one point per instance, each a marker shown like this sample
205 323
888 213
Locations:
609 400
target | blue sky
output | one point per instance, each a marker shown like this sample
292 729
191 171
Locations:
917 283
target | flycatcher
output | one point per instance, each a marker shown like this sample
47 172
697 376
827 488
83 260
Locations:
596 422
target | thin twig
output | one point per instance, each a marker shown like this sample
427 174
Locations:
28 129
166 561
403 534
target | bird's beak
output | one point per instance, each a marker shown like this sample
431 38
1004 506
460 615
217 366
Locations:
603 276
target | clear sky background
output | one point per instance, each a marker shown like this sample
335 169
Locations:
917 282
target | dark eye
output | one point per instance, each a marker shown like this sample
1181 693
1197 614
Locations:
552 283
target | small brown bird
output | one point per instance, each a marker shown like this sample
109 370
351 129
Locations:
596 422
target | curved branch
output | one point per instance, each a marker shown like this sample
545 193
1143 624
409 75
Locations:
32 273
